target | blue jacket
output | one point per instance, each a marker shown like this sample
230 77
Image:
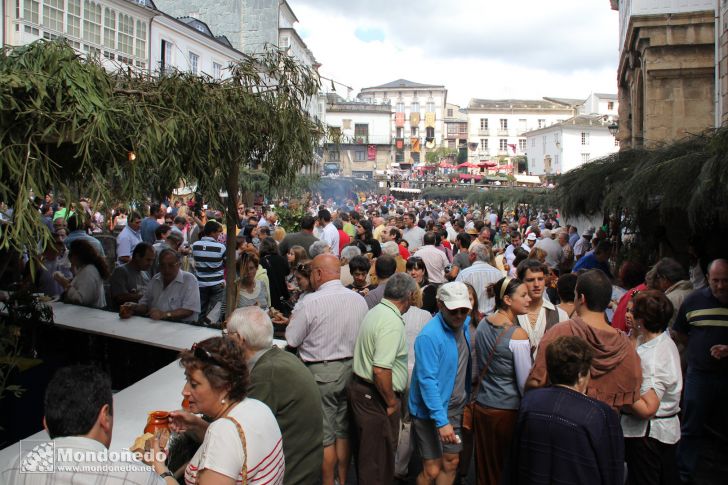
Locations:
436 366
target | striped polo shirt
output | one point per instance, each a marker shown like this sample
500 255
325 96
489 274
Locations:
209 256
705 320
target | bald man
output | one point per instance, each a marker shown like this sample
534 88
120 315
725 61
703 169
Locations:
324 326
702 323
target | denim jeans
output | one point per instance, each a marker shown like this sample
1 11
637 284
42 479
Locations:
209 297
706 395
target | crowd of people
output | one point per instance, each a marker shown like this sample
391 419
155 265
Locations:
425 339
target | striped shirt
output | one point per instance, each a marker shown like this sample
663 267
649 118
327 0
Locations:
480 275
209 256
705 320
325 324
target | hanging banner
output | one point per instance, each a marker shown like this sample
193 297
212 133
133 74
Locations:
399 120
372 152
429 120
399 144
415 142
414 118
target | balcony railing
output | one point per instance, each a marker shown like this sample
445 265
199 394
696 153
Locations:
483 132
502 132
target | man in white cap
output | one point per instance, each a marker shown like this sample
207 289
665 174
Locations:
531 240
554 253
440 384
583 245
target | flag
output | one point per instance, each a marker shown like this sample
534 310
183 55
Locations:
513 147
372 152
415 142
399 120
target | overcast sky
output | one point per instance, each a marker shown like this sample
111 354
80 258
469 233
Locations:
476 48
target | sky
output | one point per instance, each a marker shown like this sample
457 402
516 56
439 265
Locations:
492 49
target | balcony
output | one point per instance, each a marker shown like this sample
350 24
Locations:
485 132
502 132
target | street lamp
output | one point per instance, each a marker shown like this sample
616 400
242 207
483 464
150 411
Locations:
613 128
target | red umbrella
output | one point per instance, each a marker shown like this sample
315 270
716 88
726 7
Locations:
446 164
468 165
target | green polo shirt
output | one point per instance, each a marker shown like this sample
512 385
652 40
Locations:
382 343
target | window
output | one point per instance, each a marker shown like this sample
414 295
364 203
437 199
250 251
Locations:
92 22
361 133
430 133
400 107
584 157
194 61
484 144
616 142
503 124
73 18
430 106
415 107
399 157
414 131
610 105
126 34
503 144
484 124
449 113
285 42
584 138
217 73
141 38
522 145
53 14
166 56
109 26
541 123
334 155
360 156
451 143
400 132
31 11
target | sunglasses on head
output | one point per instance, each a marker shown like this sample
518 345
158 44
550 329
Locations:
205 355
303 268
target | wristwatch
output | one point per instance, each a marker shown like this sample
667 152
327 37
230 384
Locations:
168 315
166 474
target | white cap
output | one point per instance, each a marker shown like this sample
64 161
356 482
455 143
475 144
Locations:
454 295
532 236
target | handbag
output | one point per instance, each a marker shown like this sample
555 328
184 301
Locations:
244 471
470 407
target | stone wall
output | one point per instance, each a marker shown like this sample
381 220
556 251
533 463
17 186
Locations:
666 78
248 24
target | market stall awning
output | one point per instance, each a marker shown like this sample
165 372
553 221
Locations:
497 178
468 165
402 189
528 179
467 176
445 164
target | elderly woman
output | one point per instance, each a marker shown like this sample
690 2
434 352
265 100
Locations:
651 425
504 361
90 270
243 442
563 436
319 247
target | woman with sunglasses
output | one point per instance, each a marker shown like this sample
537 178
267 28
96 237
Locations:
242 443
418 271
504 361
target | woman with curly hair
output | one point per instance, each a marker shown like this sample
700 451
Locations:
90 270
243 442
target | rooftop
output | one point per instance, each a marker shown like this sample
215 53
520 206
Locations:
605 96
514 104
337 104
581 121
405 84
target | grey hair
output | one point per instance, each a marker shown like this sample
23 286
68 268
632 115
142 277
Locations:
671 270
400 286
349 252
164 251
317 248
481 251
390 248
254 325
175 236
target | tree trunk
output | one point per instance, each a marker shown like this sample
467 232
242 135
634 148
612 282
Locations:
231 219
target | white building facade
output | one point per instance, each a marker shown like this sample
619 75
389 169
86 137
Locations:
600 104
362 144
564 146
417 117
497 128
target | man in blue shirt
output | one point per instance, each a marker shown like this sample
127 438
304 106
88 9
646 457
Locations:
441 383
596 259
150 224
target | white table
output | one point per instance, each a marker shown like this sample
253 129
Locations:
161 391
157 333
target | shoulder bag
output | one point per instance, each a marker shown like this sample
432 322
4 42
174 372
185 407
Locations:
244 471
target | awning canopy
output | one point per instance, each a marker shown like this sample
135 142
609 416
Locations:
445 164
528 179
402 189
468 165
467 176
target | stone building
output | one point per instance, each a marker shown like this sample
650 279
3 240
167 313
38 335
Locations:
666 76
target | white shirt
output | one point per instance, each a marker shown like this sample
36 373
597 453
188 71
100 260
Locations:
536 333
415 320
414 237
222 448
480 275
435 262
182 292
331 236
87 288
325 324
126 241
554 253
661 372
